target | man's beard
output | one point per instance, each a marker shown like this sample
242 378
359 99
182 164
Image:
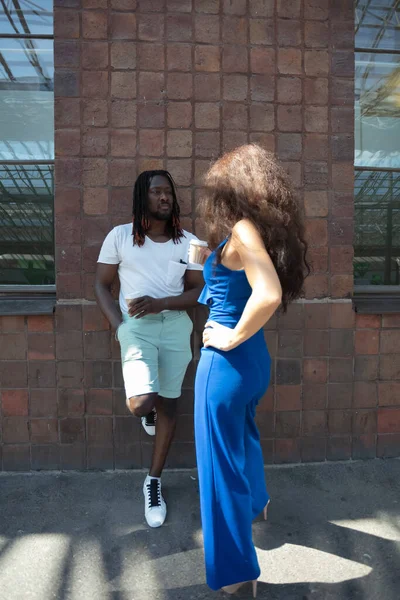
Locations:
161 215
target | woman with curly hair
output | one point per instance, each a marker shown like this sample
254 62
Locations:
258 263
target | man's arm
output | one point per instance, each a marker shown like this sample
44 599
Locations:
194 283
105 276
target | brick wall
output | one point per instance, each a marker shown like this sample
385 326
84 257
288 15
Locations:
173 83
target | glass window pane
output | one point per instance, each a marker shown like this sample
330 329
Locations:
377 228
377 24
377 110
26 100
27 16
26 225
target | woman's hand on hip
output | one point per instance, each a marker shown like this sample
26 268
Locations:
218 336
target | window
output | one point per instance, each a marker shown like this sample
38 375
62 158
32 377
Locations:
377 148
26 145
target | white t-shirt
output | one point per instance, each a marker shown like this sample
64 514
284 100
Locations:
154 269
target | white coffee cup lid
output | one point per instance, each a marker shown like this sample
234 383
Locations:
199 243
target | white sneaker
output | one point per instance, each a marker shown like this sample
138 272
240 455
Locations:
149 422
155 509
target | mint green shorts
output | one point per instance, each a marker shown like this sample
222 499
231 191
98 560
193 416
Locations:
155 353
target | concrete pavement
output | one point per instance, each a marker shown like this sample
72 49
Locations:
333 534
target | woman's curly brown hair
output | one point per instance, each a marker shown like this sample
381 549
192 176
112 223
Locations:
248 183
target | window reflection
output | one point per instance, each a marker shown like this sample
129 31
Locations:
26 224
26 16
377 23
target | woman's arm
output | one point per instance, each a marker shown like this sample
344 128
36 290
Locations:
266 295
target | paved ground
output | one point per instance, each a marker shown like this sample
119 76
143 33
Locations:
333 534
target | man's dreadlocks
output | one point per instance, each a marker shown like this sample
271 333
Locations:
141 217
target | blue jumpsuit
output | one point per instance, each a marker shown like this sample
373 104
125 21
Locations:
230 463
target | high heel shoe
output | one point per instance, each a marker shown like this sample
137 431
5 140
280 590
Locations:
232 589
265 511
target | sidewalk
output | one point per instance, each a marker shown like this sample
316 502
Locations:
333 534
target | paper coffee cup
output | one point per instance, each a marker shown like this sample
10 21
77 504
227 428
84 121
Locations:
195 250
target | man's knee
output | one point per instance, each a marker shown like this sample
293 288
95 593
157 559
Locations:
140 406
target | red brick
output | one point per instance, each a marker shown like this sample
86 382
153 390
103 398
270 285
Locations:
123 55
66 54
314 423
317 316
388 446
316 203
123 143
317 232
365 394
66 83
342 204
99 430
95 4
235 87
67 112
233 139
179 143
342 63
71 402
207 58
342 92
316 146
288 397
207 29
123 113
316 62
69 285
13 374
234 7
179 114
340 395
364 421
316 91
95 113
316 286
95 142
316 9
314 396
123 171
95 84
289 61
95 172
367 342
13 346
262 117
207 115
151 5
389 420
121 200
316 34
342 119
94 25
234 31
14 403
315 174
96 345
391 321
151 28
314 370
368 321
235 59
99 402
40 324
207 144
179 28
316 119
340 370
266 140
262 60
339 422
185 200
287 424
235 116
95 201
341 259
180 86
316 343
123 85
179 57
366 368
289 146
364 446
150 57
179 6
342 147
262 31
44 431
390 342
339 448
290 118
313 449
69 345
289 90
100 457
287 451
66 24
262 88
43 403
68 171
289 32
207 6
95 55
342 315
342 286
15 430
72 430
342 11
289 9
207 87
343 176
41 346
318 259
